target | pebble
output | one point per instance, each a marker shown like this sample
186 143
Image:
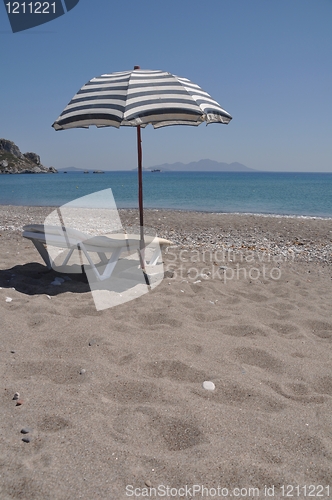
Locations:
25 430
92 342
208 385
204 276
148 483
19 402
8 299
26 439
16 396
82 371
245 238
13 352
168 274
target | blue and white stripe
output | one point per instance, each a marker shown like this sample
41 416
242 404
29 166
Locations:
140 97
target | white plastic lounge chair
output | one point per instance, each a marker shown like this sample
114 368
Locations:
71 239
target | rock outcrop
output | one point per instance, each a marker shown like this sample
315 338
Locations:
12 161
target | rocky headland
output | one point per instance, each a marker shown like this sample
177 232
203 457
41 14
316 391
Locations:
12 161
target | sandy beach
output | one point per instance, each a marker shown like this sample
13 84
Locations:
113 400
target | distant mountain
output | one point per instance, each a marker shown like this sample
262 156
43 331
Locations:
202 166
195 166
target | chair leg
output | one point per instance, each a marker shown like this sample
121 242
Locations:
103 258
43 253
70 253
111 263
155 256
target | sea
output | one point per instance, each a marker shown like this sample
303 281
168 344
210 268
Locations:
264 193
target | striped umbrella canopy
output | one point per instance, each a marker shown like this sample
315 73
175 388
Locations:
137 98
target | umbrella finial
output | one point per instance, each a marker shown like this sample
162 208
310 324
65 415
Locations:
137 67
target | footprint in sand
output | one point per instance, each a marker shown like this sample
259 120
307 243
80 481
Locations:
232 301
80 312
281 292
258 357
323 385
321 329
175 370
53 423
15 485
283 306
243 331
255 297
296 392
59 372
37 320
157 319
266 314
46 310
194 348
126 359
308 445
286 330
133 392
178 434
232 393
156 431
118 357
209 320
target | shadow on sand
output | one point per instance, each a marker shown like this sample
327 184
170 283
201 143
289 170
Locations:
35 279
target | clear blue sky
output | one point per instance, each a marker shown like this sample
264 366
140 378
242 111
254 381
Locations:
267 62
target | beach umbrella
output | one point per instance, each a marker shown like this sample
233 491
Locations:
137 98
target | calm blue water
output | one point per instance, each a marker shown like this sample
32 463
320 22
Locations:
264 193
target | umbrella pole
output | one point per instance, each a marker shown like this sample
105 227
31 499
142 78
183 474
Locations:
140 205
140 183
